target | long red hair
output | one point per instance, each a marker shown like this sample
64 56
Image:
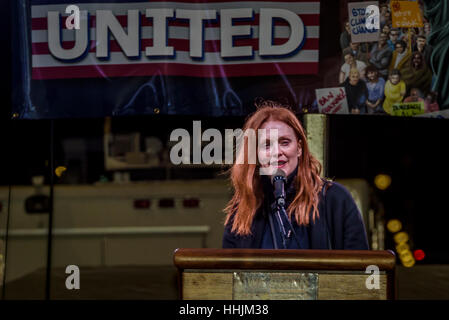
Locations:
245 179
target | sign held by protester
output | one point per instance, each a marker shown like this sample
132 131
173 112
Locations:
406 14
364 21
408 109
332 100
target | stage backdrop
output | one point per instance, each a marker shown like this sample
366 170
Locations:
118 57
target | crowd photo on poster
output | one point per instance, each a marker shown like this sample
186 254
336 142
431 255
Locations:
392 75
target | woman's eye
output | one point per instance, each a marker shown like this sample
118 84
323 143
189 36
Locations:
285 143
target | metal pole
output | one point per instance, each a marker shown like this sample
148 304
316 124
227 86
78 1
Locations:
316 126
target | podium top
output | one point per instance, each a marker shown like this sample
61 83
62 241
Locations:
269 259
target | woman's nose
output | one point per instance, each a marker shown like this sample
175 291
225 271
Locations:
278 150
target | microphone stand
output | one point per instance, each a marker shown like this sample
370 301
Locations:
278 208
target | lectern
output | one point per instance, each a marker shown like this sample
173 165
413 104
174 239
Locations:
260 274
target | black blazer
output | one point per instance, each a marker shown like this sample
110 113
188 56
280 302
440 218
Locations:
339 226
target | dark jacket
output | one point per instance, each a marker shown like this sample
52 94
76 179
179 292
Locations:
381 59
340 225
356 95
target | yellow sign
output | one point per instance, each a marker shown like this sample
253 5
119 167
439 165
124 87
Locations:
406 14
408 109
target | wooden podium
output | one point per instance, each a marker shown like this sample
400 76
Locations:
259 274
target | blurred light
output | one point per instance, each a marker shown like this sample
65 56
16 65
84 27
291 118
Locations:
419 254
191 203
394 225
382 181
402 248
59 171
142 204
407 259
167 203
401 237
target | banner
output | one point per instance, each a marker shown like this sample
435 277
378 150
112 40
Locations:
181 38
332 101
364 21
123 57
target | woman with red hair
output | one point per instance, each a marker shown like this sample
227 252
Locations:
318 214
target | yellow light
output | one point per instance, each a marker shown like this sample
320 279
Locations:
59 171
407 259
402 248
401 237
394 225
382 181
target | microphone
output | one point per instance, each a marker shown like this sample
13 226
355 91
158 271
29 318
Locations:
278 181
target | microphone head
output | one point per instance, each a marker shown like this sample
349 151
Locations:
279 174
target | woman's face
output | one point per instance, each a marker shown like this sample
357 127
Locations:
349 59
284 152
